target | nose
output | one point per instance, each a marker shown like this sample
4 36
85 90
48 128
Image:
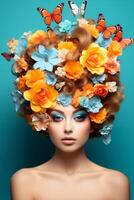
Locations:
68 127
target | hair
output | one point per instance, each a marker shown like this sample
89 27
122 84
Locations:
83 39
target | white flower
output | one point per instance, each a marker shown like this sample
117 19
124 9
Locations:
112 87
60 71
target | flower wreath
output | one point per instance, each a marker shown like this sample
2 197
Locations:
44 67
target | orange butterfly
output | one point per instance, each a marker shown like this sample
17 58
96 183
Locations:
109 31
55 16
7 56
118 35
126 41
101 24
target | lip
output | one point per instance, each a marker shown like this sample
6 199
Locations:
68 141
68 138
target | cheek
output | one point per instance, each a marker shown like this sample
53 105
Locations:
83 129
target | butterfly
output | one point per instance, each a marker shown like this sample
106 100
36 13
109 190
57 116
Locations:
76 10
7 56
55 16
118 35
109 31
126 42
101 23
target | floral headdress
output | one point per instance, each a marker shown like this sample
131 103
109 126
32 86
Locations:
46 63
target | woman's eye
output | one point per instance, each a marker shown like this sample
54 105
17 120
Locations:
81 117
57 118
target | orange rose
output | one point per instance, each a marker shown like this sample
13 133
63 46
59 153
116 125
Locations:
114 49
73 69
76 98
101 90
34 75
41 96
94 58
88 90
99 117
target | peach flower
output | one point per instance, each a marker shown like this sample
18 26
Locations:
112 66
94 58
20 65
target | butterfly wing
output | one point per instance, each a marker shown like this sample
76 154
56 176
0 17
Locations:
83 8
110 31
46 15
57 13
51 33
7 56
101 24
74 8
126 42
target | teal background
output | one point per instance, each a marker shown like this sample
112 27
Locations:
20 146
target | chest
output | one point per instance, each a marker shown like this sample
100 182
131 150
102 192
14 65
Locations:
81 188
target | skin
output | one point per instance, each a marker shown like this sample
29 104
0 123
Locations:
69 174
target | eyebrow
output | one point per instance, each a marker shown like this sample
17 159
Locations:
78 109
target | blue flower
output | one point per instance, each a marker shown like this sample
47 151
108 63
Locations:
51 79
21 46
17 99
64 99
99 79
103 42
106 133
92 105
45 58
66 26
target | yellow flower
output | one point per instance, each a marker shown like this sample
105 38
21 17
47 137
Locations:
99 117
91 29
41 96
67 45
34 75
37 38
94 58
114 49
73 69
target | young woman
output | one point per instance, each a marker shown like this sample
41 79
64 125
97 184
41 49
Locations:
69 174
68 86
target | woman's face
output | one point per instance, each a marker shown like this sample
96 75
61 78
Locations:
68 122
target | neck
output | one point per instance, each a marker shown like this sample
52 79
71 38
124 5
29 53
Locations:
70 163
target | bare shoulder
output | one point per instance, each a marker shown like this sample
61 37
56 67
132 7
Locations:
21 183
117 183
